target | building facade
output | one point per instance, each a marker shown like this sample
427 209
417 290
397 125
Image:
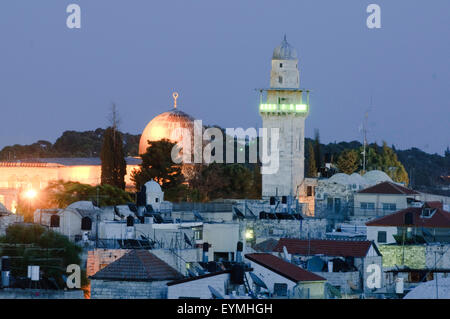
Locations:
284 108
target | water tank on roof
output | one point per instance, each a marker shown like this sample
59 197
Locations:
237 274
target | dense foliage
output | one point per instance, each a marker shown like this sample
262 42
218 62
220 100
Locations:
70 144
36 245
114 166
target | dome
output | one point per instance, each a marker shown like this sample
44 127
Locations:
358 179
152 187
340 178
375 177
162 127
427 290
86 205
284 51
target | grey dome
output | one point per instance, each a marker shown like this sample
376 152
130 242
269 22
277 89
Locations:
284 51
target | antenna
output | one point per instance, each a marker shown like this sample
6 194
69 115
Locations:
197 215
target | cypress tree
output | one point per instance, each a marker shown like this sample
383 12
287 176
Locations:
112 155
311 168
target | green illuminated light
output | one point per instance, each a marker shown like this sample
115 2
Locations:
301 108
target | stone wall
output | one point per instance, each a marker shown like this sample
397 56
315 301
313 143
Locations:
268 228
414 256
442 256
104 289
345 280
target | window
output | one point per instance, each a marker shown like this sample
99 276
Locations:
389 206
54 221
280 79
309 191
198 234
382 237
427 212
281 65
280 289
367 206
86 223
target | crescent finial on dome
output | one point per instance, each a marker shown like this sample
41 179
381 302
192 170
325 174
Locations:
175 97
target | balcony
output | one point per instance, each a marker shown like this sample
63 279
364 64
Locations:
284 108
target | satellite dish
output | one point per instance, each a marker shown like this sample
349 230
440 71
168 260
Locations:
427 234
215 293
251 212
199 270
238 213
187 240
191 273
258 281
197 215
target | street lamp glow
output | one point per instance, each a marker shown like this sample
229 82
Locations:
31 193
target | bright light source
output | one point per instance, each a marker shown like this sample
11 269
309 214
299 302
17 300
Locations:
249 234
31 193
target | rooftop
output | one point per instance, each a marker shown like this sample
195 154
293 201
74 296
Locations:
342 248
438 219
138 265
283 268
388 188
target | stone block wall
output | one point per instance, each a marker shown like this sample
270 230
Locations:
104 289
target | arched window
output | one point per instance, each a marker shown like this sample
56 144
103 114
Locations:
54 221
86 223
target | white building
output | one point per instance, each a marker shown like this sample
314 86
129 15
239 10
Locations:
285 109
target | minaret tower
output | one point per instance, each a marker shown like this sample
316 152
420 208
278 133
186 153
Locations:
285 106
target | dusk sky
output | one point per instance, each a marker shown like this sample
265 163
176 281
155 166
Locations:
215 53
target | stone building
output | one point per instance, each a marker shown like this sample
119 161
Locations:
18 177
284 108
138 274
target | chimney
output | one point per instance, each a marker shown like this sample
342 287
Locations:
6 268
205 252
240 248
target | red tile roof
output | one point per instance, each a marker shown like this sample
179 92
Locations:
440 219
335 248
138 265
283 268
388 188
435 204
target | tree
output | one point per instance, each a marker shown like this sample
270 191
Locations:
318 154
157 164
348 161
114 166
311 164
385 159
218 181
36 245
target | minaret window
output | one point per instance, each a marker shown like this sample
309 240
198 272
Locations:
280 79
281 65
